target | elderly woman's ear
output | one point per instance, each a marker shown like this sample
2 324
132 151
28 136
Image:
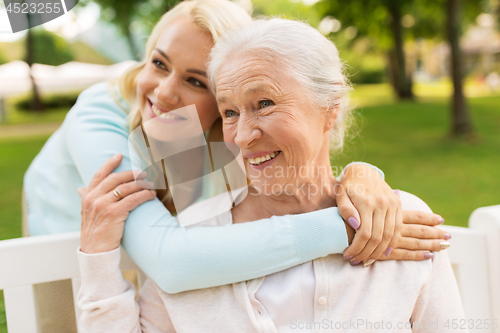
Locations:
331 116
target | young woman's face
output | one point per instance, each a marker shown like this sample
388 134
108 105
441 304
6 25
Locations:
175 76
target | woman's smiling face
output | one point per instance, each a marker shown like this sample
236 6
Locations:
175 75
273 120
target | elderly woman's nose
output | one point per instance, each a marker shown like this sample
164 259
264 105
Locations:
247 132
168 91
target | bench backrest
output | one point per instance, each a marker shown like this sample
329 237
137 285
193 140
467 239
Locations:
25 262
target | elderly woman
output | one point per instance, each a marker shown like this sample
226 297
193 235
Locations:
281 92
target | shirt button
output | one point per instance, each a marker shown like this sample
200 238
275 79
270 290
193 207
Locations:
322 300
260 312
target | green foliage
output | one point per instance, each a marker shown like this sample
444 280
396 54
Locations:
79 52
369 75
50 101
364 63
285 8
144 12
149 12
50 49
370 17
84 53
430 17
3 59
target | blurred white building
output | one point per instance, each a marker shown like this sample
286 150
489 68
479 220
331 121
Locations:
72 76
480 47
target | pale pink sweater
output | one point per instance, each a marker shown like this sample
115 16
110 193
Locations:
386 297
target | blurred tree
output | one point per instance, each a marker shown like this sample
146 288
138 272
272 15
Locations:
383 23
124 12
446 19
43 47
461 121
50 49
443 19
36 101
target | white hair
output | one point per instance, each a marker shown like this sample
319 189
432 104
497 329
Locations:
309 57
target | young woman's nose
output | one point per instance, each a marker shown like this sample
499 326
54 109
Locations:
248 132
168 91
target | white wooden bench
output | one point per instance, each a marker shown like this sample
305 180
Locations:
27 261
475 256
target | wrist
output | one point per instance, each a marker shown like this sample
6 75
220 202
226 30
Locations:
97 248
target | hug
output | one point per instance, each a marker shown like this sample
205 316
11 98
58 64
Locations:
276 89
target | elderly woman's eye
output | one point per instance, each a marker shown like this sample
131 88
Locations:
229 113
265 103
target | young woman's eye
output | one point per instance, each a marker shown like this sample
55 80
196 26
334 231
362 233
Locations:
159 64
196 83
265 103
229 113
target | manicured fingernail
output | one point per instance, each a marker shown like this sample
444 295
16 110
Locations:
444 245
153 192
355 262
368 263
117 156
388 251
428 255
440 220
353 223
348 257
396 192
447 236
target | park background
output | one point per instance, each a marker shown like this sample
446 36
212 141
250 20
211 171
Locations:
425 75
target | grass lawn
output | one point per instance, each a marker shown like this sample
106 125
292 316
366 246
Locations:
407 140
16 155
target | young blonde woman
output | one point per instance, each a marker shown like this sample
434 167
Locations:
173 75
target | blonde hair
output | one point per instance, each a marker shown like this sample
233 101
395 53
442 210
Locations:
218 17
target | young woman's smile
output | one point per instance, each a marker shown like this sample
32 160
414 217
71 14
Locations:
163 115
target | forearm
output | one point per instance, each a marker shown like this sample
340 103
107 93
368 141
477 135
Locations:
180 259
106 299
